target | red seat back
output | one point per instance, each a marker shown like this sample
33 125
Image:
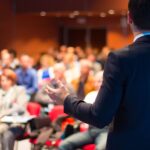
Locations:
34 108
56 112
89 147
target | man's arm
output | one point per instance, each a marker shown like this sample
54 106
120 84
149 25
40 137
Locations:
108 100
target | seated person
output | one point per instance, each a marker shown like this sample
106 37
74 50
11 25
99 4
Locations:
27 76
85 83
93 135
45 72
59 73
13 100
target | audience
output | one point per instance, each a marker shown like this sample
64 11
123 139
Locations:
20 82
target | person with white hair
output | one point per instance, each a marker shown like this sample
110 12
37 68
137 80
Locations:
85 83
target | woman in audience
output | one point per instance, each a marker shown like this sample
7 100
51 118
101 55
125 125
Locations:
72 65
85 83
13 101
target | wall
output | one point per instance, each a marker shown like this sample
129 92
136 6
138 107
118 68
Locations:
34 34
117 36
117 40
26 33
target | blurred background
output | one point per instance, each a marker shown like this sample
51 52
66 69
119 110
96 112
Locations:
33 26
40 40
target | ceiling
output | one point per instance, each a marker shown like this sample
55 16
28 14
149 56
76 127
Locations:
71 8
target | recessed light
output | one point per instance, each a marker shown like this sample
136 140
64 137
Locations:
111 12
103 15
71 16
76 13
43 13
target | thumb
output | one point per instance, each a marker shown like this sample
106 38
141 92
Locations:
50 90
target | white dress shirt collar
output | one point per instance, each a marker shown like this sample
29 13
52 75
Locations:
141 35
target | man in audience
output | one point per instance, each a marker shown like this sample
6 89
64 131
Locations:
7 59
27 76
124 98
15 61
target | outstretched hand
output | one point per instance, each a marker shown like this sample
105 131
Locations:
58 93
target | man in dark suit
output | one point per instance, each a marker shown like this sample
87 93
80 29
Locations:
124 98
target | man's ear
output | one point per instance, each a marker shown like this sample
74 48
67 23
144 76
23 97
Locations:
129 18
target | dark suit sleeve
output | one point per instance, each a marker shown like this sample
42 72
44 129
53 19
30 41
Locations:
108 100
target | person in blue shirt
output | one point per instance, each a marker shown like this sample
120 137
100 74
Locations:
27 76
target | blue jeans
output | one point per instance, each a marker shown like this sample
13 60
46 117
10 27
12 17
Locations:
92 136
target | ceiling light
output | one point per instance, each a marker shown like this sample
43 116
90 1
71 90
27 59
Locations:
43 13
111 12
103 15
76 13
71 16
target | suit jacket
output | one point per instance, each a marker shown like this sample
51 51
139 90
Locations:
124 99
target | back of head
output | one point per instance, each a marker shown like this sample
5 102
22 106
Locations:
140 13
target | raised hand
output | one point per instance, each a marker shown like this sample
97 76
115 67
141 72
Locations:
57 92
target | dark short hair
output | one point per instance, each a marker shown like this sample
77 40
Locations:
12 52
140 13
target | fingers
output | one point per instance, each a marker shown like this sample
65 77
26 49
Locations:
57 83
60 84
50 90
